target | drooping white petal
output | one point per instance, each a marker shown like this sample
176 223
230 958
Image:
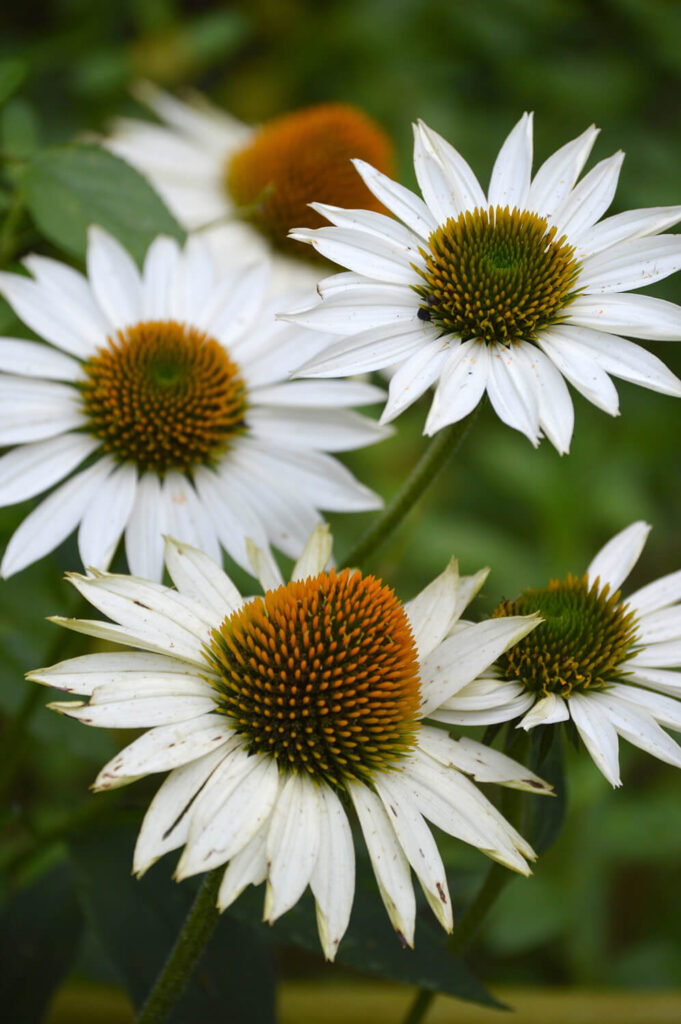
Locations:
333 877
418 844
546 711
114 279
453 713
510 181
163 748
414 376
315 554
598 735
637 316
106 517
617 558
460 658
561 346
32 468
145 529
411 210
247 867
462 384
54 518
482 763
166 824
556 412
292 844
510 390
388 860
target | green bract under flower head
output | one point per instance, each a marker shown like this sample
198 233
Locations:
585 636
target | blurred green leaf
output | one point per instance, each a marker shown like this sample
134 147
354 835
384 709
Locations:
138 922
545 816
19 128
68 188
39 931
13 72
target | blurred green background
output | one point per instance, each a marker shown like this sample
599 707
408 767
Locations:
604 906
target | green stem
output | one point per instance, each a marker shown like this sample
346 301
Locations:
196 931
497 877
445 443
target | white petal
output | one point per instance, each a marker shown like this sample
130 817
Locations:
327 394
626 360
623 226
145 529
451 714
89 672
333 877
556 413
332 430
659 626
589 200
547 711
198 577
617 558
432 613
40 310
656 595
664 710
663 655
316 554
636 263
509 386
483 763
166 824
32 468
143 713
637 726
106 517
460 658
160 268
415 376
184 516
462 384
390 865
370 350
229 812
658 679
114 278
248 867
33 359
54 518
555 178
379 225
72 296
464 189
578 366
292 844
364 253
434 182
510 181
637 316
265 569
31 410
361 308
236 303
598 735
411 210
163 748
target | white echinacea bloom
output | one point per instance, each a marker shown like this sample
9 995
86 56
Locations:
510 293
173 383
246 186
277 715
604 661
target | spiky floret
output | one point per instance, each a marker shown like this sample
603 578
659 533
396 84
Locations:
304 157
498 275
164 395
322 674
586 634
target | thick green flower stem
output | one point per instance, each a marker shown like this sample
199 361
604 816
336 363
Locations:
186 953
464 933
445 443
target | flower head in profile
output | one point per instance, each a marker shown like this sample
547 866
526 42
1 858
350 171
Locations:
512 292
172 386
279 716
253 184
606 662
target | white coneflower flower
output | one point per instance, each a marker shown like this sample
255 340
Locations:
597 658
253 183
508 293
174 383
276 715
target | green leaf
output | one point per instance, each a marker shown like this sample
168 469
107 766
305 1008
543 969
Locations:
19 129
39 932
12 74
68 188
138 922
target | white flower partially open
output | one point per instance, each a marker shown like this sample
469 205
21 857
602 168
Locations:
512 292
277 715
597 658
174 383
